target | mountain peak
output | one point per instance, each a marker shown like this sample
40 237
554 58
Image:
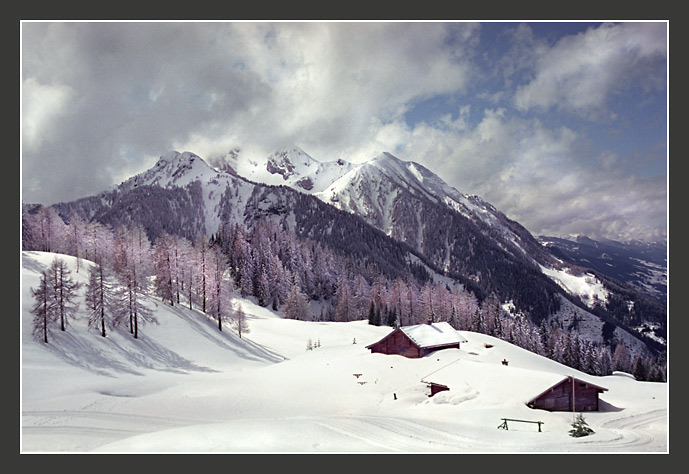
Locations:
173 169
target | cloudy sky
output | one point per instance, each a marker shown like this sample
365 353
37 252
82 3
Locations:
560 125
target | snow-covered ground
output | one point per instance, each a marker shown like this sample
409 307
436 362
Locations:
183 386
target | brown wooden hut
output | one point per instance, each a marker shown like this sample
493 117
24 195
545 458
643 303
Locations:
418 340
559 396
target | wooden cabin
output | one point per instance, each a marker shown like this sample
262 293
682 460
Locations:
436 387
559 396
418 340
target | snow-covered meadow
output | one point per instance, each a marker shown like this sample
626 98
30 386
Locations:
183 386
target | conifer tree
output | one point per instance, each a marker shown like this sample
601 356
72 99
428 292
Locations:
580 427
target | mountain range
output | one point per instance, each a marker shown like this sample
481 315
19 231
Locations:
394 214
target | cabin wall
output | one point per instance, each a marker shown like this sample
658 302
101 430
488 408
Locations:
559 398
435 388
396 343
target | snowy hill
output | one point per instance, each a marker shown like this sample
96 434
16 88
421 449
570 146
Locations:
185 387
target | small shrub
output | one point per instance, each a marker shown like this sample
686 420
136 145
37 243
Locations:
580 427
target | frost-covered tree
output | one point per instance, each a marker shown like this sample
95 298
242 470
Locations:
491 310
201 250
131 261
101 300
63 291
398 298
164 263
239 321
219 286
297 304
76 230
467 306
621 359
98 243
49 230
345 309
43 309
603 361
427 309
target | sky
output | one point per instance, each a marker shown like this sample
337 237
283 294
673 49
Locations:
562 126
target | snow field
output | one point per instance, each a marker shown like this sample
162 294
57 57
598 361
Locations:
183 386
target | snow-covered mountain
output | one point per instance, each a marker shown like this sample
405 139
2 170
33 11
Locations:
642 265
388 212
387 192
413 205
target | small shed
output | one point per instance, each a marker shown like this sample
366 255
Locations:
569 394
418 340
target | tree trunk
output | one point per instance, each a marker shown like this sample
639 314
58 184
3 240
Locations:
45 319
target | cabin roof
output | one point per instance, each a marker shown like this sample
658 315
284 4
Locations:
432 335
428 335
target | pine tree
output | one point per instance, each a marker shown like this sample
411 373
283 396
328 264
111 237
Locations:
639 369
373 315
580 427
391 318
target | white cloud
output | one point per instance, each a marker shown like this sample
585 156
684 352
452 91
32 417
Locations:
542 177
580 73
41 105
109 98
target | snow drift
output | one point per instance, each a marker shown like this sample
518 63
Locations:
183 386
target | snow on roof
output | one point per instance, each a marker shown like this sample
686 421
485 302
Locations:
432 335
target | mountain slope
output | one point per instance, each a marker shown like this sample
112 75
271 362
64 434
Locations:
465 237
180 194
185 387
638 264
385 191
394 215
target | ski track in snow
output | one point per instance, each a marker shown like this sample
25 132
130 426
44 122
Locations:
92 429
395 434
631 432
